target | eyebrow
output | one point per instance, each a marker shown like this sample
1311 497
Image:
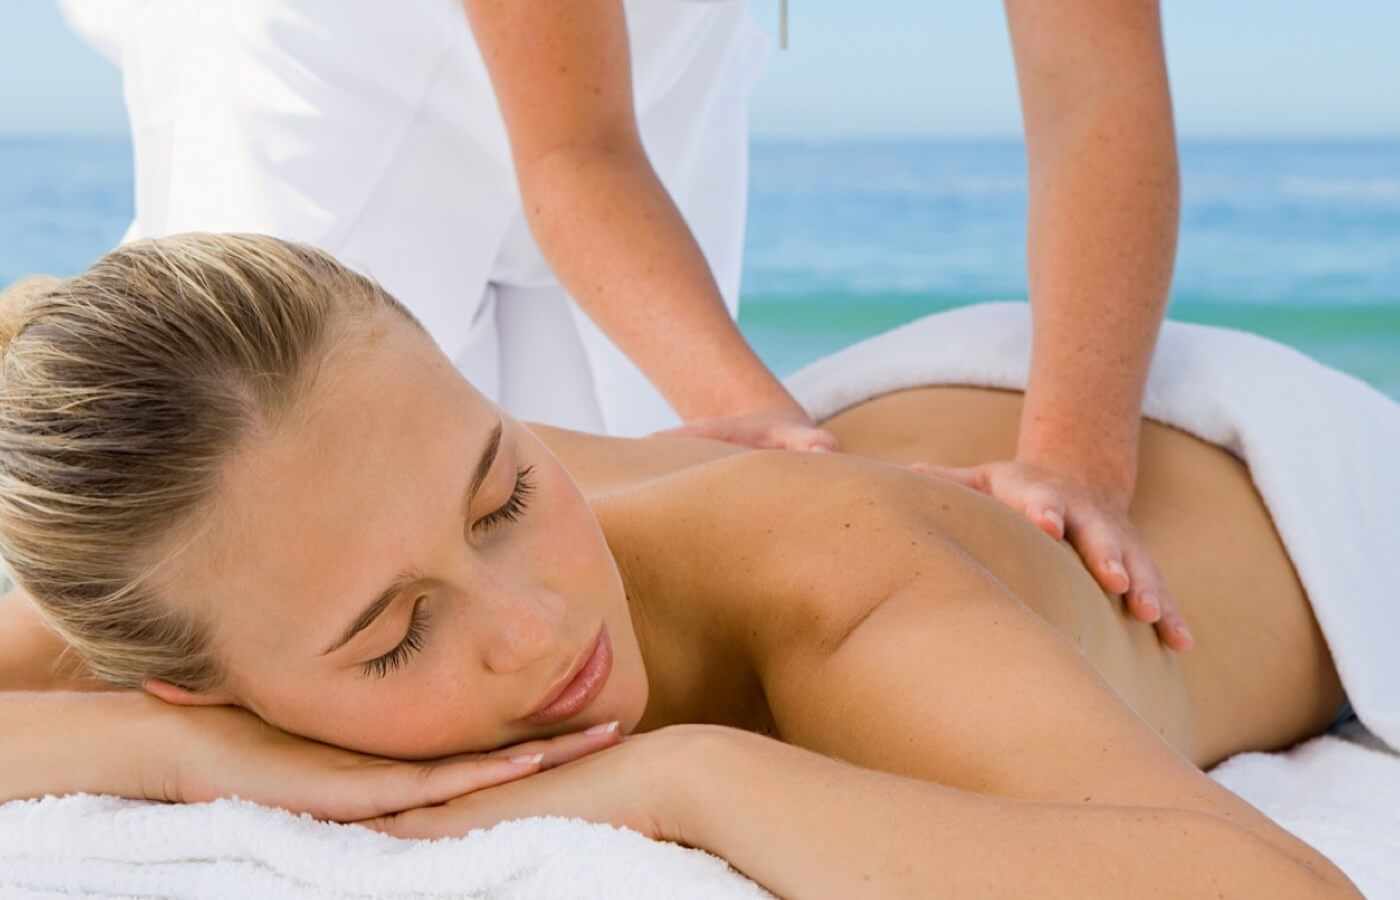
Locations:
405 578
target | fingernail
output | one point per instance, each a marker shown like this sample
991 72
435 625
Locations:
1114 567
819 449
1055 519
605 728
531 759
1150 605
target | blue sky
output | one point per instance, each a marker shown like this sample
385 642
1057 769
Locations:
1239 68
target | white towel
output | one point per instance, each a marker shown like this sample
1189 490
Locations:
1319 445
1340 793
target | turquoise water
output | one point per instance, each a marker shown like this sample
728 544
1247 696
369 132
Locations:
1296 241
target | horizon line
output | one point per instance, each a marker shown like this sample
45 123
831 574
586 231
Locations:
777 136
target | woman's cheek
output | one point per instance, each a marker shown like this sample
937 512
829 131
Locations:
416 725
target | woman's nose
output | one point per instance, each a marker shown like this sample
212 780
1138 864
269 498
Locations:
523 629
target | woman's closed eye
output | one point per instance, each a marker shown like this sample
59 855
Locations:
515 505
412 642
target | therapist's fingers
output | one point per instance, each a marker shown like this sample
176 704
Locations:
1095 525
1151 601
1145 598
1173 631
1040 503
975 477
1043 505
1099 544
801 438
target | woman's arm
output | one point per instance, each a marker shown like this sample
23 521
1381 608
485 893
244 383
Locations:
65 742
952 680
562 74
807 826
62 732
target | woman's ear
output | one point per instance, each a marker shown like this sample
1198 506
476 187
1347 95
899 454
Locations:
179 696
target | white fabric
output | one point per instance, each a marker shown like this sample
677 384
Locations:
1318 442
370 129
1341 797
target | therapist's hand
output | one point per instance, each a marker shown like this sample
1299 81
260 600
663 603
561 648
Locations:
1094 520
785 428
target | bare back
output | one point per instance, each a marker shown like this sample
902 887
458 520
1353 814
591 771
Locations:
1260 677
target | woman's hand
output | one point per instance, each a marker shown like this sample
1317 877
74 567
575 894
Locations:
787 428
639 784
1095 522
222 751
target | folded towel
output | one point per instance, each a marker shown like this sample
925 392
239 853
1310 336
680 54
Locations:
1320 446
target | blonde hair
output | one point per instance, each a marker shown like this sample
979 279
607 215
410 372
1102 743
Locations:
123 392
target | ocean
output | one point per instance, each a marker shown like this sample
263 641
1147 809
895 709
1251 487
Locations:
1296 241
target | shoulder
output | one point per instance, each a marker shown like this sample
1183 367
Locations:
798 548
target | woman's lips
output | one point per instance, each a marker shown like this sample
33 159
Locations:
581 689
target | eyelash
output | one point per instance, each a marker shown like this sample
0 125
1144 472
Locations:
412 642
514 507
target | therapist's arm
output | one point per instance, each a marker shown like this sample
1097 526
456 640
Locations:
562 75
1104 198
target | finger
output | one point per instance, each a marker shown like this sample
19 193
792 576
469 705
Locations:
566 747
1051 520
1173 631
974 477
415 824
379 787
1099 546
461 816
819 440
788 436
1043 507
1144 600
1150 601
1142 603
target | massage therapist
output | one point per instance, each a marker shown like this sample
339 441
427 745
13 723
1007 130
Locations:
557 190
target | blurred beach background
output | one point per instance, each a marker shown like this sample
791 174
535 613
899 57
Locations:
889 184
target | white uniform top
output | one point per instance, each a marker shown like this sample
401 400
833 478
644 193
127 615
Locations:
370 129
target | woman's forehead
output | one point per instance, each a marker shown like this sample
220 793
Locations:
316 508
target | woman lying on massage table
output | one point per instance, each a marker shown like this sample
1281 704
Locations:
239 476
